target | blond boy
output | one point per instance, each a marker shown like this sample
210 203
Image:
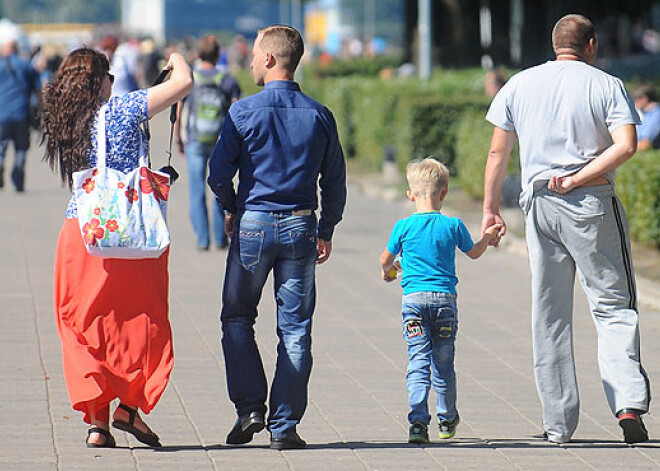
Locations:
427 242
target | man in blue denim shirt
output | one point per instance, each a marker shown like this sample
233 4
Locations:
280 141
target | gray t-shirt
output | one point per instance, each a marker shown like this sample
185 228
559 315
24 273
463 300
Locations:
563 113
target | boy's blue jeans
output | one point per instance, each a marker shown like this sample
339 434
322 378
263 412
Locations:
286 244
430 323
197 157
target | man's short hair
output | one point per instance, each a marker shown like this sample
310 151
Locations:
285 43
573 32
426 177
208 48
644 90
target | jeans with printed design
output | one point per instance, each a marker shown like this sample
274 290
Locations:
430 323
197 157
286 245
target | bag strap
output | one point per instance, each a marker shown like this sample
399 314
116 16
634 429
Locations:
101 150
100 138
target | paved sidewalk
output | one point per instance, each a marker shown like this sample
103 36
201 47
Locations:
356 418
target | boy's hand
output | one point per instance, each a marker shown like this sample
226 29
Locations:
389 266
389 275
493 230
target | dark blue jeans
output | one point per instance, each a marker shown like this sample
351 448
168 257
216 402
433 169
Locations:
19 133
285 244
197 156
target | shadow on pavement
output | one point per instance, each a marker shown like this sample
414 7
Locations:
487 443
173 448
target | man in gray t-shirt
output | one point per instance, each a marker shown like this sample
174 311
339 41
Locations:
575 125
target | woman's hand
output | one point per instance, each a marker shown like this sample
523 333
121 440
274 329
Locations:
162 96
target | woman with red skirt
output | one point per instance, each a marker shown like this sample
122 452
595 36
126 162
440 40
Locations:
111 314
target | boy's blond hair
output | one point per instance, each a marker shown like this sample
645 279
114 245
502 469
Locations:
426 177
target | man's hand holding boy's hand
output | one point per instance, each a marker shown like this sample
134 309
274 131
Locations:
493 230
489 220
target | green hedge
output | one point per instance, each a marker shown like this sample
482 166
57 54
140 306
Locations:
434 124
638 186
473 142
370 67
417 117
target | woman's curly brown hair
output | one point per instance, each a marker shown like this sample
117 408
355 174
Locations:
70 104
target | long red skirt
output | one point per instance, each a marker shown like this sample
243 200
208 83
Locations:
112 318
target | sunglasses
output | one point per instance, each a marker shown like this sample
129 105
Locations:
111 78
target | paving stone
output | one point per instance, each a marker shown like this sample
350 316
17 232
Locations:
356 419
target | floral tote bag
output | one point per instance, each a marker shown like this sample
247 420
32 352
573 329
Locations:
122 215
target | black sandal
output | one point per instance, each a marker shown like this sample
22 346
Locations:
109 439
148 438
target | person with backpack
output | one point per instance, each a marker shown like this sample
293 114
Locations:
208 103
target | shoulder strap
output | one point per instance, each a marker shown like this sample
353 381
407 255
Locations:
100 138
101 149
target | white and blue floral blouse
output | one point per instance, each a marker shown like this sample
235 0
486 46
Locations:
125 139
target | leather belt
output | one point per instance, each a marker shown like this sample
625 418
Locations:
302 212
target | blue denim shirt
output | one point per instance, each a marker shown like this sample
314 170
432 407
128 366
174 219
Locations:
280 141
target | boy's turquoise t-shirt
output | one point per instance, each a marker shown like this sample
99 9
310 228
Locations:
427 243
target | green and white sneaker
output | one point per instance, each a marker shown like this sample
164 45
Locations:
418 433
448 427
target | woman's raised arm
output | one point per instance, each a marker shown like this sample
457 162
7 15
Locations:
162 96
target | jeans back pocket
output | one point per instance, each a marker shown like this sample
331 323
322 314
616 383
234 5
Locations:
445 325
303 246
250 245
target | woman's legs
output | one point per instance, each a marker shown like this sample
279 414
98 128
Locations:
98 418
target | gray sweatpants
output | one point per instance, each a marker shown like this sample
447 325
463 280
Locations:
586 230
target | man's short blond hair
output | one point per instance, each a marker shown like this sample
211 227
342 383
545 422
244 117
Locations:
572 33
427 177
285 43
